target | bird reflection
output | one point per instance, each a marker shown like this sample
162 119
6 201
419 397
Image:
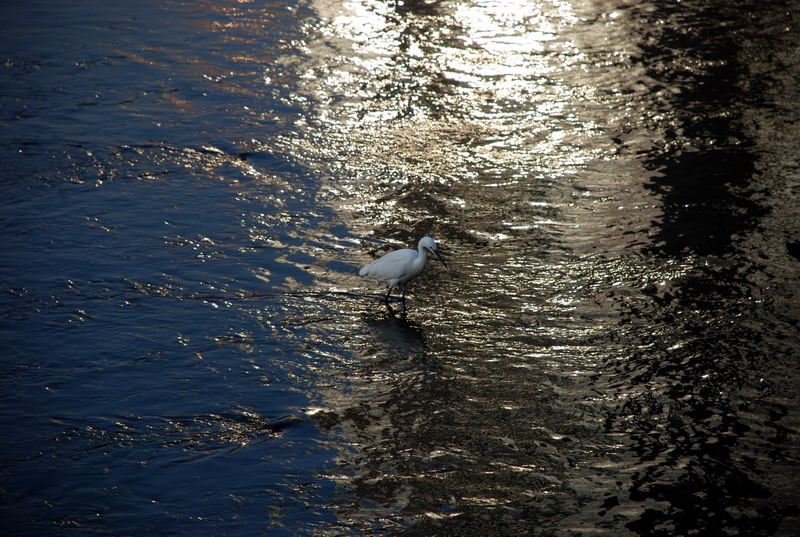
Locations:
400 336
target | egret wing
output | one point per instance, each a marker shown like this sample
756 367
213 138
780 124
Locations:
391 266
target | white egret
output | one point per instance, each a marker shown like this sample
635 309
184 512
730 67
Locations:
401 266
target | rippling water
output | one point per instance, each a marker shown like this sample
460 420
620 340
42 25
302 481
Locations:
188 190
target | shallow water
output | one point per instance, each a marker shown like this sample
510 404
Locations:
189 189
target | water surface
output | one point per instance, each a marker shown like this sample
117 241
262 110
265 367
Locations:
189 189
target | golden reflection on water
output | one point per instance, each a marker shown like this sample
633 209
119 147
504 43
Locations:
493 127
424 116
513 133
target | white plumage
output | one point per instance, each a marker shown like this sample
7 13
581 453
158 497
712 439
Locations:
397 268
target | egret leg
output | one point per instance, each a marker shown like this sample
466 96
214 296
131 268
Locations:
386 299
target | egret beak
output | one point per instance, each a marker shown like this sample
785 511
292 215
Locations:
434 252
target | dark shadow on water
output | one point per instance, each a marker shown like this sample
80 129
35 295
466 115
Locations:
702 455
706 160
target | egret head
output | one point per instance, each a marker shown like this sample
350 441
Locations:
430 245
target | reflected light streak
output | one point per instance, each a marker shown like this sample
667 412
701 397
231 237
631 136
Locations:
473 121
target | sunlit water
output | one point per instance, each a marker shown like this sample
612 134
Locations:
189 188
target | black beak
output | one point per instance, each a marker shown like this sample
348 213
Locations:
437 255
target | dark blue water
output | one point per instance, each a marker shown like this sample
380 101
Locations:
189 188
